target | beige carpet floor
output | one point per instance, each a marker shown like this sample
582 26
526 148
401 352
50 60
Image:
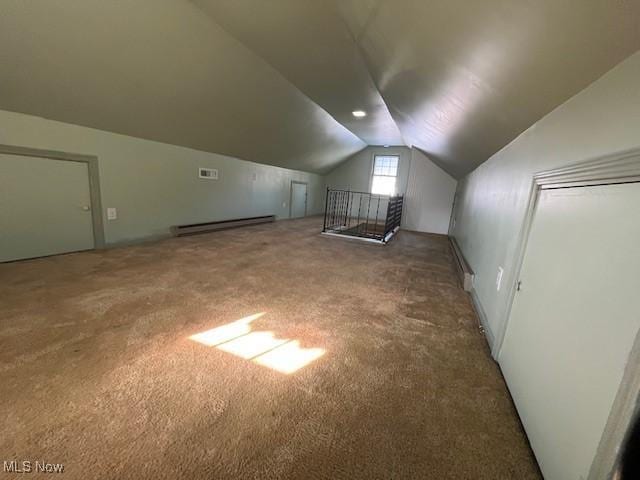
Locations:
259 353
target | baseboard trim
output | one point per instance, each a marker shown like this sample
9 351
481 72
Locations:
484 321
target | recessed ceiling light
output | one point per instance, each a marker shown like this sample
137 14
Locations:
359 113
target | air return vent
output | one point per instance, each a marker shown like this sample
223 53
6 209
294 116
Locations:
208 173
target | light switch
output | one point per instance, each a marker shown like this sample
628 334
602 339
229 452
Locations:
284 204
112 213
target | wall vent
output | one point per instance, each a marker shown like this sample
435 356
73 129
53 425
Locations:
208 173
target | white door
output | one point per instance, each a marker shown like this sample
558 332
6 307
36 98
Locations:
45 207
574 321
298 199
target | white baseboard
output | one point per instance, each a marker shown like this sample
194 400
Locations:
484 321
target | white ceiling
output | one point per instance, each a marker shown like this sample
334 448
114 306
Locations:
276 81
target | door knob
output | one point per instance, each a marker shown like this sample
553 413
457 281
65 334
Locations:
86 208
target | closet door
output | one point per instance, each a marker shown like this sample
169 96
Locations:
574 321
45 207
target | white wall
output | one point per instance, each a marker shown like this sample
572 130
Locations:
355 173
603 118
428 189
429 198
155 185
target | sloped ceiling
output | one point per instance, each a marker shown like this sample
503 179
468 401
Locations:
462 78
276 81
161 70
308 43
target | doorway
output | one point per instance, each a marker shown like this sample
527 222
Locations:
46 203
298 200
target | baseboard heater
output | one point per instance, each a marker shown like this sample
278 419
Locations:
464 271
194 228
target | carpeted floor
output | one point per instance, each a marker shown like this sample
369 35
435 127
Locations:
383 374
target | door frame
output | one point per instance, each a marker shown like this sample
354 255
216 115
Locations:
94 181
617 168
306 197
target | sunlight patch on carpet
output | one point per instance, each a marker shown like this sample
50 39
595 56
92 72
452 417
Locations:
289 357
261 347
252 344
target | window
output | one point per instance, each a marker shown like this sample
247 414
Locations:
385 171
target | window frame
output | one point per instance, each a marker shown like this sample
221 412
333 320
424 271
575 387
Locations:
373 173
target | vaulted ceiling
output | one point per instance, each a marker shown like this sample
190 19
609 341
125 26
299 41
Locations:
276 81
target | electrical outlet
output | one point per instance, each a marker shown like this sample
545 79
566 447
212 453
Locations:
112 213
499 278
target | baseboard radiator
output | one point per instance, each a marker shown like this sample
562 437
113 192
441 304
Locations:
464 270
194 228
